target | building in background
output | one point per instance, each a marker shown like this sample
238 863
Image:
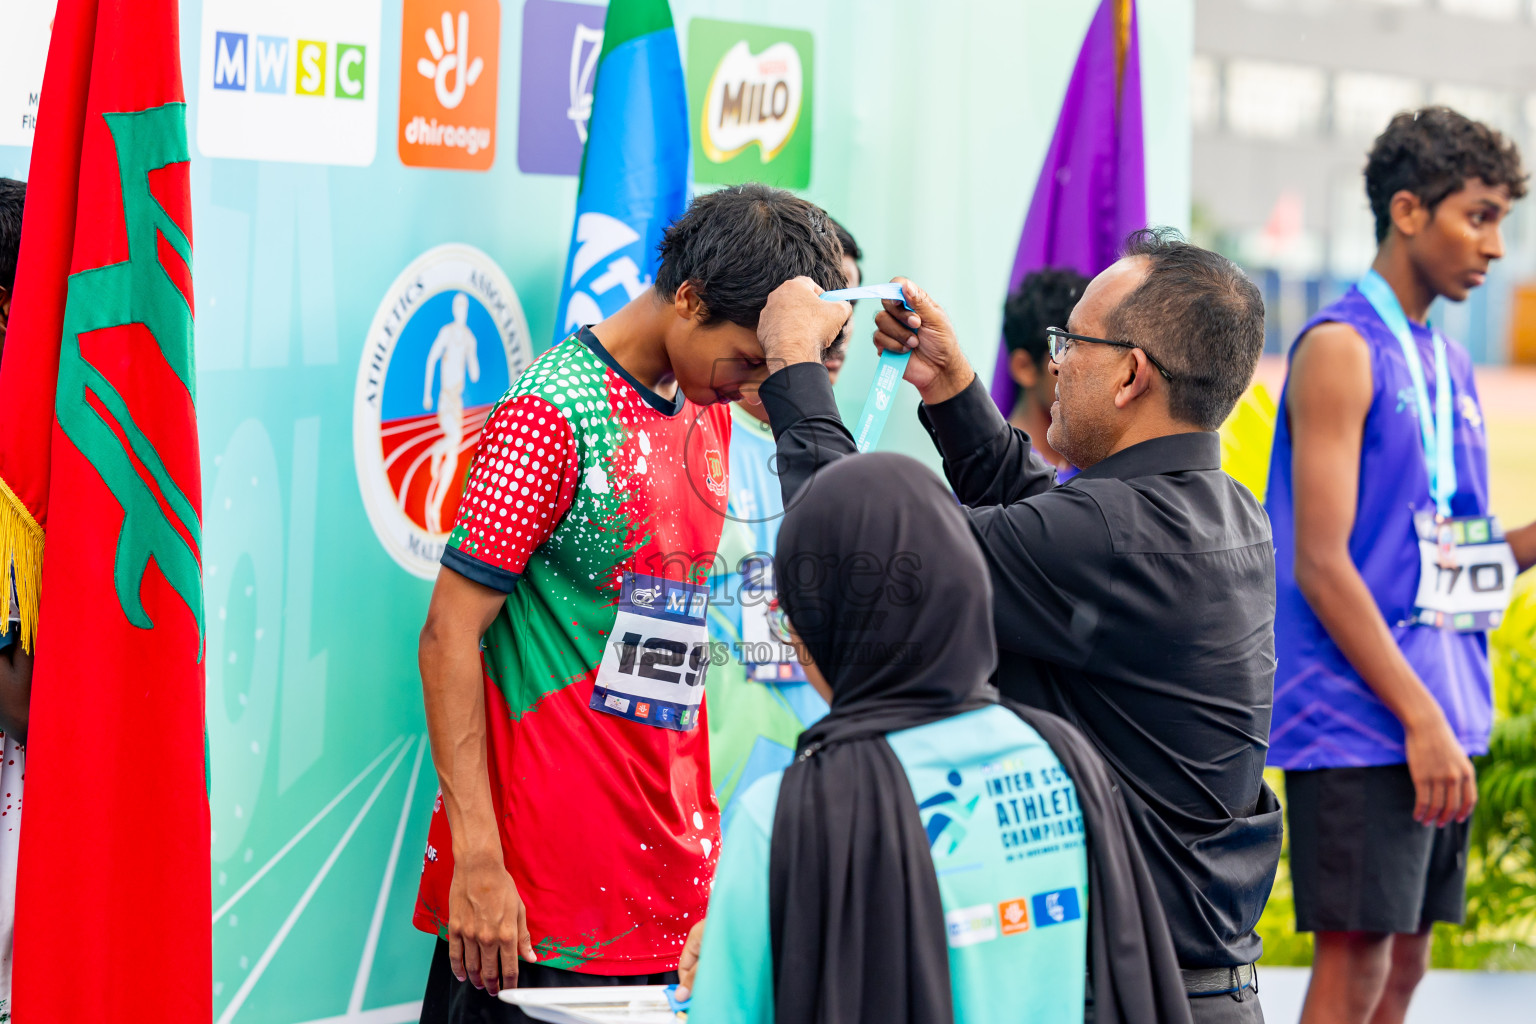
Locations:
1286 96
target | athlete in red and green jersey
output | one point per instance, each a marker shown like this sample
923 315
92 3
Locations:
565 651
591 491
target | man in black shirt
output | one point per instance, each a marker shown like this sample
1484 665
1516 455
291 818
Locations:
1136 600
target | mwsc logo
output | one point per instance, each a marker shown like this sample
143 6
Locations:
447 340
289 81
242 61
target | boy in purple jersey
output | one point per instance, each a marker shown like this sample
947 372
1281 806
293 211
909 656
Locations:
1379 697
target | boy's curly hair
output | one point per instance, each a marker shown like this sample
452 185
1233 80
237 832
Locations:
1432 153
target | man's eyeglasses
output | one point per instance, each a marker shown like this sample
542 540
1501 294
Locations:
1059 341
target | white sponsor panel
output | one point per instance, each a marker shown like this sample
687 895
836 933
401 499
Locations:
25 28
289 80
969 925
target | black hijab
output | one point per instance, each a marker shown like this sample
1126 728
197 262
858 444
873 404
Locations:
878 573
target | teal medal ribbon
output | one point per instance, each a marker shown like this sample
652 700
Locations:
877 405
1435 424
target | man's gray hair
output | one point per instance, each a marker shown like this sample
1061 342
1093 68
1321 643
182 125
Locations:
1198 313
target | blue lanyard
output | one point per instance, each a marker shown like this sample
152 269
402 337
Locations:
1435 426
877 405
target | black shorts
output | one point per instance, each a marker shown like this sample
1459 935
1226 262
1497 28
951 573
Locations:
1360 863
451 1001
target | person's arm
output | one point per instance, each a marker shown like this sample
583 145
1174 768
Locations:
1522 543
987 461
795 328
1328 396
808 432
15 691
487 925
727 961
486 552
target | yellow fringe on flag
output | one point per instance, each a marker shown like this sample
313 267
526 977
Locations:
21 563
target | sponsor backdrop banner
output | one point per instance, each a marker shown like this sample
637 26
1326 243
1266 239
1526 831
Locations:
362 301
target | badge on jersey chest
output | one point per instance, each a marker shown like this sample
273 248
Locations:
1466 573
657 655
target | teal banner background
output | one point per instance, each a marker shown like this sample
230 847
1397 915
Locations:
930 122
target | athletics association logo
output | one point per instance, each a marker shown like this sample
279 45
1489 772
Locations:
447 340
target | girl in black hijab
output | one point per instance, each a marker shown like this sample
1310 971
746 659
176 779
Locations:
882 582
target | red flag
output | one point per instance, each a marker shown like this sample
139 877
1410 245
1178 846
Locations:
98 454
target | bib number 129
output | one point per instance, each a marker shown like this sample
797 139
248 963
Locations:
666 661
657 655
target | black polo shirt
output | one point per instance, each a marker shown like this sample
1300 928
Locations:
1137 601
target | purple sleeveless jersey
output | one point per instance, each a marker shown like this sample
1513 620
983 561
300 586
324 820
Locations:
1325 715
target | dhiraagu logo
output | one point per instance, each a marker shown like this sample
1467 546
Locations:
449 51
289 81
750 89
945 815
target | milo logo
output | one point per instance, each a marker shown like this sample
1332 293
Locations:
750 87
752 99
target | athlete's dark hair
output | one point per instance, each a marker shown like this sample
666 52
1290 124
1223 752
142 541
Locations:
845 238
740 243
1200 316
13 194
1432 153
1043 299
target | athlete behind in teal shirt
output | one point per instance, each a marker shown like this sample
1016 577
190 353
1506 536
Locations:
758 699
924 857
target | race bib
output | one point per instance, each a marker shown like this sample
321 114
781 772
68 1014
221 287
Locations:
1466 572
653 668
765 648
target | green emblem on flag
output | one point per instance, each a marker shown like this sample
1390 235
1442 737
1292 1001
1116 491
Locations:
90 410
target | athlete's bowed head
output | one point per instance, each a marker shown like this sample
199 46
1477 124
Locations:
719 261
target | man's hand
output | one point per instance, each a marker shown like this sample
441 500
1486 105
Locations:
688 963
797 325
1444 783
487 925
938 369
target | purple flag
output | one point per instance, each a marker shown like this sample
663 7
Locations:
1092 189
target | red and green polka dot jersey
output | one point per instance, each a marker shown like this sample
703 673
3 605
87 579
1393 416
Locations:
609 827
